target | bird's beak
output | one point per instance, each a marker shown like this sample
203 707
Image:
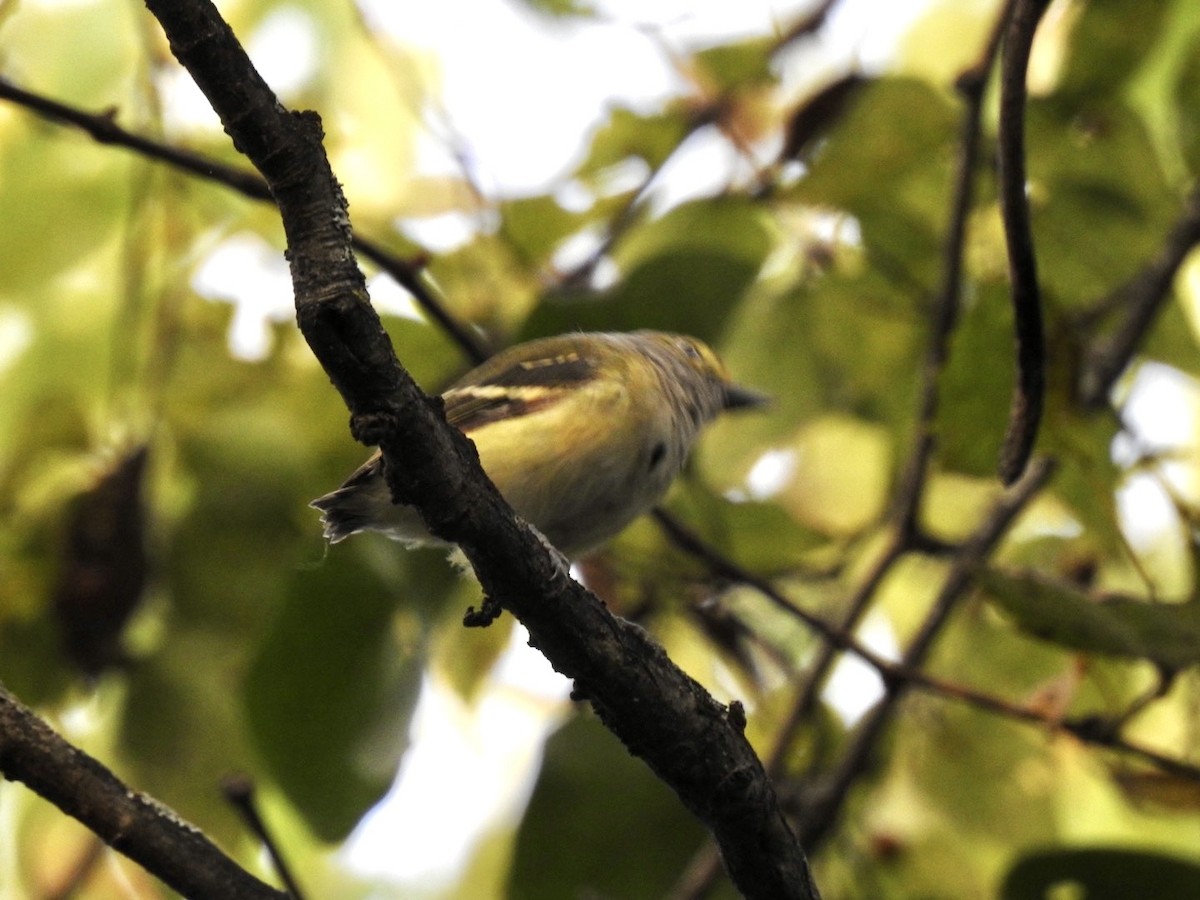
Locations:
738 397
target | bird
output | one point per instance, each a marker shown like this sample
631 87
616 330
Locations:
581 433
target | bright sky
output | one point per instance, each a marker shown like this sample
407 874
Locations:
567 73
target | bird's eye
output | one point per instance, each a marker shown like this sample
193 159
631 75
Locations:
689 349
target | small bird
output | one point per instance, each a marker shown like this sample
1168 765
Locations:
580 433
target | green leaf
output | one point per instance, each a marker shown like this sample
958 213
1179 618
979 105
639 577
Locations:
977 383
330 694
1187 113
535 226
887 163
650 138
1100 873
1108 45
1098 166
599 823
683 272
737 65
1167 634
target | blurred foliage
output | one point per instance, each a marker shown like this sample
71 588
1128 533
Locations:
583 770
223 636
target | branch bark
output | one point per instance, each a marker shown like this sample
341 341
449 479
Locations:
692 742
1028 396
131 822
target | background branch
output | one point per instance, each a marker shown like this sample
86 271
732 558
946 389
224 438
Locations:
819 818
103 129
128 821
1136 304
1028 395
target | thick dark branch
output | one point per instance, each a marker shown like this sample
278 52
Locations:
694 743
133 823
103 129
1139 302
1029 392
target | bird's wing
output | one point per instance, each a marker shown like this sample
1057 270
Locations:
510 386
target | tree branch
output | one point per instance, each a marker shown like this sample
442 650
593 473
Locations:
889 672
1028 395
907 536
133 823
103 129
820 818
972 87
693 743
1139 300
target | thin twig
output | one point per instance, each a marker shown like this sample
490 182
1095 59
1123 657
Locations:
103 129
1029 391
820 817
239 791
699 877
892 673
1139 301
972 86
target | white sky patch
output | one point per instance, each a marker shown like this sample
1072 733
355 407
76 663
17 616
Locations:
577 249
252 275
389 297
468 768
1157 396
523 91
440 234
703 166
185 110
854 687
771 473
1161 416
16 334
871 30
1145 511
284 49
573 196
